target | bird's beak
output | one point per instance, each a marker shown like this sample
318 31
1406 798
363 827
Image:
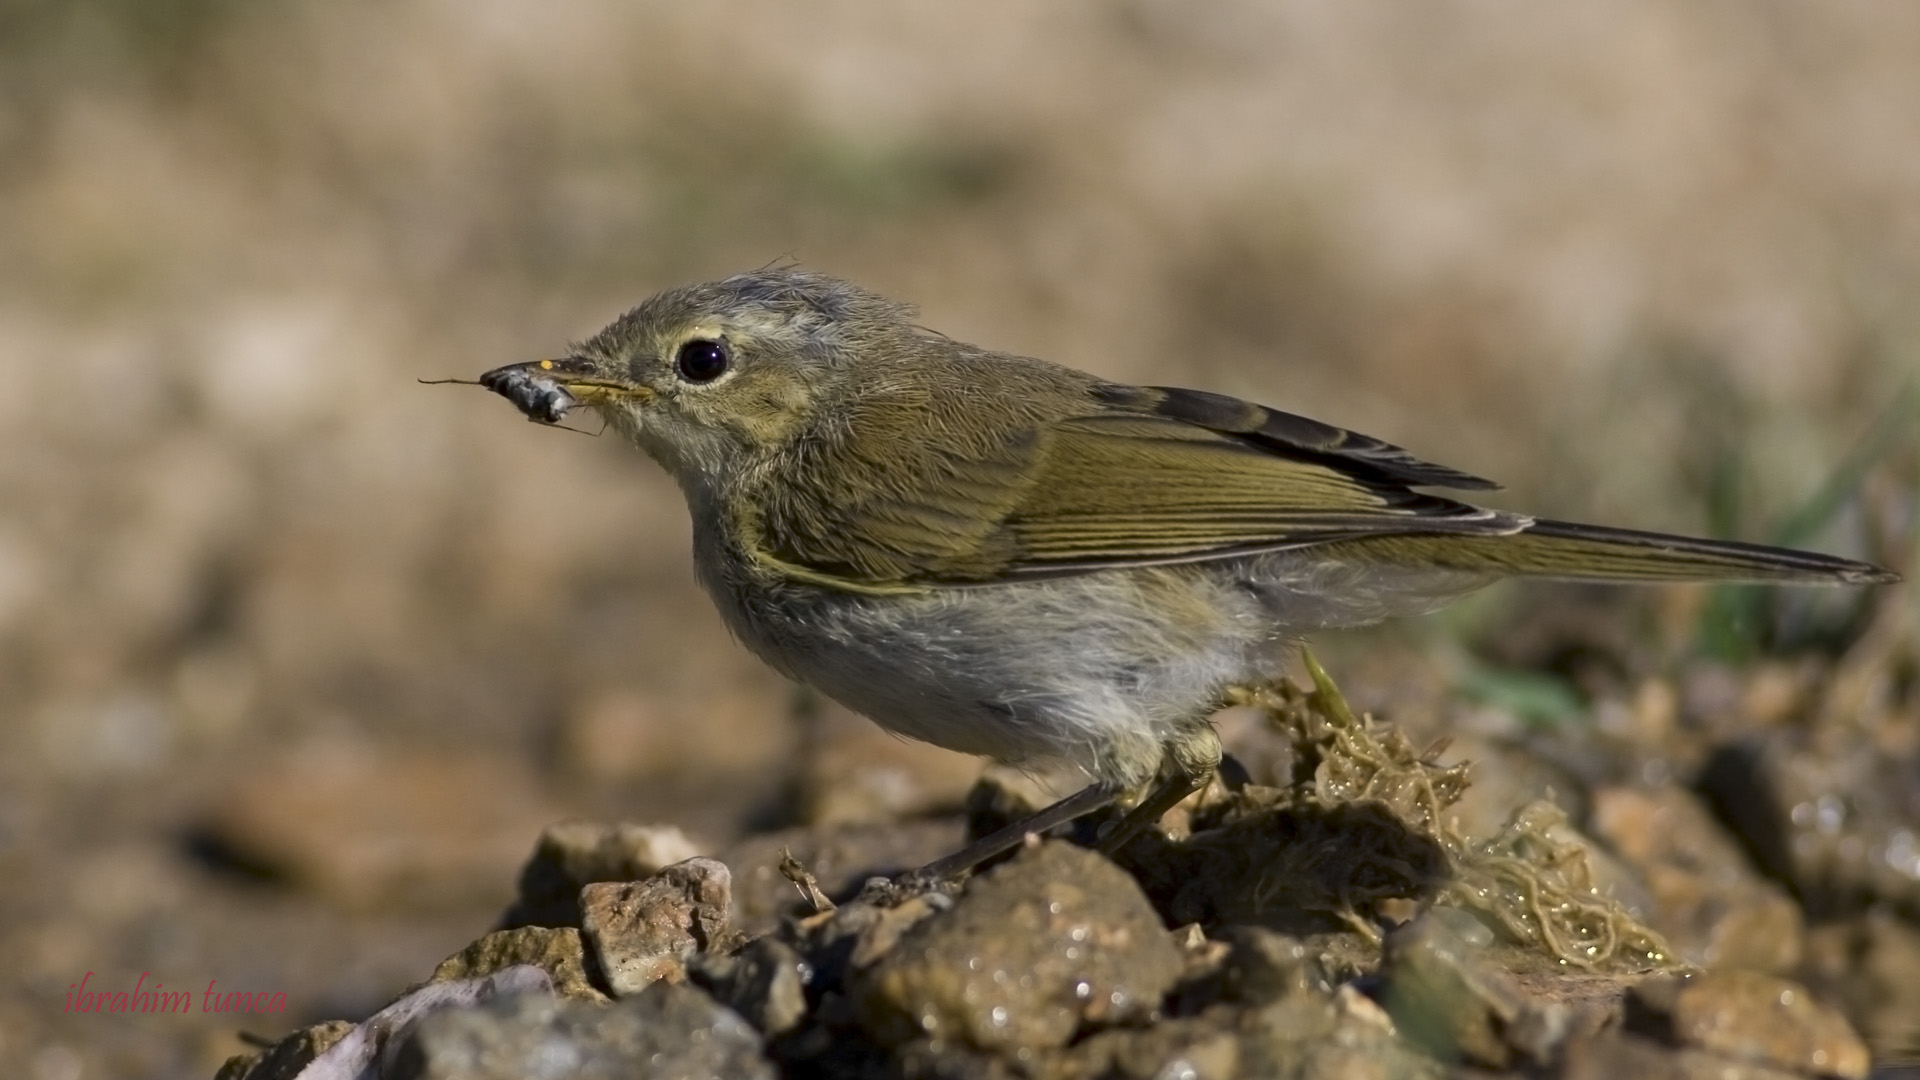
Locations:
546 389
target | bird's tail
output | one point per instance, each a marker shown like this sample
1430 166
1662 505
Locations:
1568 551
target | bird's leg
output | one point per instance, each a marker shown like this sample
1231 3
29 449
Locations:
1143 816
1189 763
1075 806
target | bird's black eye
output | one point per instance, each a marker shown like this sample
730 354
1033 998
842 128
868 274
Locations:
701 360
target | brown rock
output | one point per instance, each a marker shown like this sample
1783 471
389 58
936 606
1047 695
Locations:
1617 1055
1706 898
931 1059
644 931
877 930
1346 1037
1203 1047
559 951
1749 1016
1505 777
858 934
1055 939
285 1059
573 854
766 982
1828 812
1870 968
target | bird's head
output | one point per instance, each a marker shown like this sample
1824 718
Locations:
710 378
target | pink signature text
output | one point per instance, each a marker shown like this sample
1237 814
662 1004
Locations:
158 999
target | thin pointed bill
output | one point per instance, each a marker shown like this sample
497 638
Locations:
546 390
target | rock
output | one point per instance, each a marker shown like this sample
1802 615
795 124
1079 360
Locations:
1263 966
1204 958
559 951
667 1031
1613 1055
285 1059
1453 991
1870 968
842 858
1833 817
573 854
1346 1037
1749 1016
1705 897
644 931
930 1059
857 934
1514 955
1506 777
766 982
1055 939
1205 1047
354 1055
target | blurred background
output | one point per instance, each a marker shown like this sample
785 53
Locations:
297 655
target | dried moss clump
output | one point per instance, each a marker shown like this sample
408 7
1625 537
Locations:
1364 820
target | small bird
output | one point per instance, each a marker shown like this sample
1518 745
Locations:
1006 557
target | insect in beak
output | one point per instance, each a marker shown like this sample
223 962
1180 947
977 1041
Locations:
546 390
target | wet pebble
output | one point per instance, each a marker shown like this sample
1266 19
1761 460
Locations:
1345 1037
1835 817
1617 1055
1206 1047
766 982
1749 1016
1054 940
1870 967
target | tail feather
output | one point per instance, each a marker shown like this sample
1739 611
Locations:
1572 552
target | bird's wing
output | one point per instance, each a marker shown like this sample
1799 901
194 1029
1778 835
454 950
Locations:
1144 476
1288 435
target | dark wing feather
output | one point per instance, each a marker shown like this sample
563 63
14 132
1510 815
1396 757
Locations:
1290 435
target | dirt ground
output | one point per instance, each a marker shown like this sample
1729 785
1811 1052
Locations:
298 656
